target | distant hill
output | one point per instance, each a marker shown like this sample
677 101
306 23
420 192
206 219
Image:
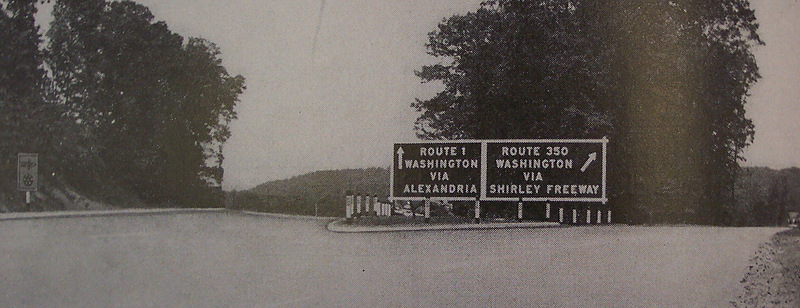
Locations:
300 194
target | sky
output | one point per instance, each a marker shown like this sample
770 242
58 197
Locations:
330 82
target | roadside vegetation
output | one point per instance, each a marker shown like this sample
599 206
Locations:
773 279
665 80
119 108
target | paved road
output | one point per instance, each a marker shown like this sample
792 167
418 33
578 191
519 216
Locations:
227 259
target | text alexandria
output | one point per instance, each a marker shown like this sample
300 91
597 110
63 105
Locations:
441 189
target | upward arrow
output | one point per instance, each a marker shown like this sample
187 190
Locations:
400 158
592 157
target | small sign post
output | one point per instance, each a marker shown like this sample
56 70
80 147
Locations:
27 174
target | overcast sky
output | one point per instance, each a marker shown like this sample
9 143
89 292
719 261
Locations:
342 102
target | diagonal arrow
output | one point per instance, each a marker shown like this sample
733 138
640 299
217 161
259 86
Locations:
592 157
400 158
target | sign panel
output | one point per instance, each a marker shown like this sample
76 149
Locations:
545 170
443 170
27 171
567 170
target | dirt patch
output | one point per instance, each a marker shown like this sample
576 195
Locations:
773 278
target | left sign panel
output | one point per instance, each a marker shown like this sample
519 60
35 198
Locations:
27 171
446 170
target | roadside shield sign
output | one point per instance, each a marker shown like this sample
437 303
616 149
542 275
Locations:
27 171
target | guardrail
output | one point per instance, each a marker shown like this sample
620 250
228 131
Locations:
358 205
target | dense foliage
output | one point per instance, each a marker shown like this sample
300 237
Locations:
129 109
765 196
665 81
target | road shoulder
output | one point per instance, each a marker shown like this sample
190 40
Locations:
773 278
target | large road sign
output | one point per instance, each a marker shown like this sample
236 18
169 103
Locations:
443 170
545 170
567 170
27 171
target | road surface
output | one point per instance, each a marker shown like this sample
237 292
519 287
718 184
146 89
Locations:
229 259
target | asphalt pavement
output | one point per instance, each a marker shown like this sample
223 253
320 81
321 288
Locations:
214 259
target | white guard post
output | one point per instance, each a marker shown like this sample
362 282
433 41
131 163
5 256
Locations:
378 206
608 216
599 221
574 216
348 208
561 215
519 209
588 216
547 211
427 210
477 211
358 203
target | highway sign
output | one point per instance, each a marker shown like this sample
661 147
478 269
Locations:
545 170
445 170
27 171
568 170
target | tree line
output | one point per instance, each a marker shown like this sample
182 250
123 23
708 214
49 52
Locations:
665 80
116 104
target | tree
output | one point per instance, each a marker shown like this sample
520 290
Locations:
665 80
21 81
157 108
30 119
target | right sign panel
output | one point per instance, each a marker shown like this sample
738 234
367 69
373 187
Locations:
545 170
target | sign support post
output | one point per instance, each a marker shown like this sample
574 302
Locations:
348 208
27 175
519 210
477 211
427 210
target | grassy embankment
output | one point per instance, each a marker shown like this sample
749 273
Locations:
773 279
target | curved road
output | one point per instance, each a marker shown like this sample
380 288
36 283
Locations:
228 259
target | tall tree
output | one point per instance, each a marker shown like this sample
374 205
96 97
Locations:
159 109
666 80
21 82
30 120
